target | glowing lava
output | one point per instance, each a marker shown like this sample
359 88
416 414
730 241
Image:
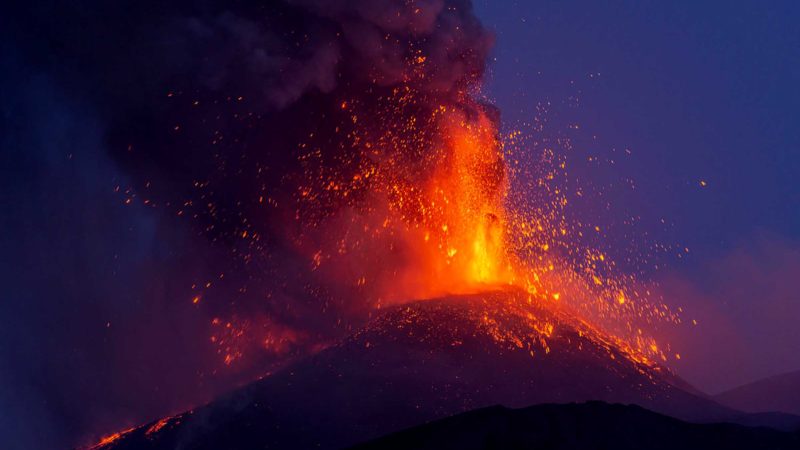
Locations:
461 218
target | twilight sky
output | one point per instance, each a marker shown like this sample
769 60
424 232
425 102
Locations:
96 317
697 91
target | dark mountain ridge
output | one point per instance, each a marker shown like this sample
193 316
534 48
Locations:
777 393
592 425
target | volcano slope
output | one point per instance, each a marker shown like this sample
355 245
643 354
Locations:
420 362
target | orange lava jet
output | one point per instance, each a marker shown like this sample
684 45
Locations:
430 211
466 231
460 242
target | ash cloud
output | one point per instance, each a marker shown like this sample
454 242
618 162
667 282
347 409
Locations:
195 111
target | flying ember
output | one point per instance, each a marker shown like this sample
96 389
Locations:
349 180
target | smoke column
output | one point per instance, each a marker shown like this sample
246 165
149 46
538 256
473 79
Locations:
253 178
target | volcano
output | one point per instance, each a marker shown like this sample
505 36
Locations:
423 361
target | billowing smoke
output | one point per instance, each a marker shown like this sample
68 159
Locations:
263 123
268 149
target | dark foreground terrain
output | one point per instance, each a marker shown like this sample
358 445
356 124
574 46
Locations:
592 425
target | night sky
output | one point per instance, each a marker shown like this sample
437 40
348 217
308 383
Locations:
684 112
697 91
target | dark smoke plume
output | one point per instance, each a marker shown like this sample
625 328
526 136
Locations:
224 125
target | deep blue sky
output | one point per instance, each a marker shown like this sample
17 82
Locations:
696 91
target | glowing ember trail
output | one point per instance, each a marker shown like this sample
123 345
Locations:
111 439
